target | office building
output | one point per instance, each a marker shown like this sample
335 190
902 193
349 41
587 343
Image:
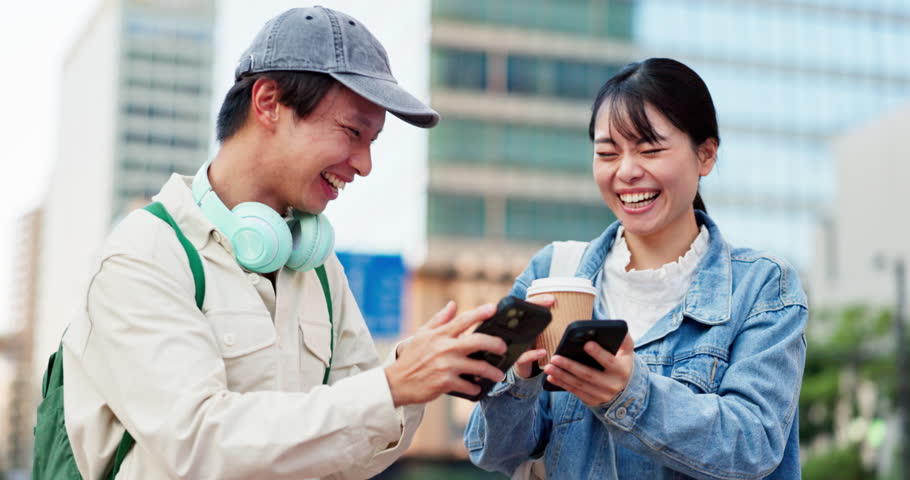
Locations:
515 80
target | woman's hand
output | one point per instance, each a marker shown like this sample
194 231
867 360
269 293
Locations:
591 386
528 359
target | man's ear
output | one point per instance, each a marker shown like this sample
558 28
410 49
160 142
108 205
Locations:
707 156
264 103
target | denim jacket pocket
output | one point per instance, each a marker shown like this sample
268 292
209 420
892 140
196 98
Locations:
701 370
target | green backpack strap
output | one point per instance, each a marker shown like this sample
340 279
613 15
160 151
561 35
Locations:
324 281
158 210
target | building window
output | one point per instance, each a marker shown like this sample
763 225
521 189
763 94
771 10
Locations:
527 75
476 142
546 221
155 111
459 69
159 57
556 78
596 18
455 215
189 88
171 141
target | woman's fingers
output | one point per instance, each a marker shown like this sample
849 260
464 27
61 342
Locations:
526 361
591 386
543 300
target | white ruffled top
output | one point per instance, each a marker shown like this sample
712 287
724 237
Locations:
642 297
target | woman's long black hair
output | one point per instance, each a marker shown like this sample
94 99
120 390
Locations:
672 88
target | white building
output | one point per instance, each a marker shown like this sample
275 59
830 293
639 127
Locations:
868 224
135 106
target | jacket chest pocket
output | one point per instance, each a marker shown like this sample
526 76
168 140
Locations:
701 371
247 342
316 336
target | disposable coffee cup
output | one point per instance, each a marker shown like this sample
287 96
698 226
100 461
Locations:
574 301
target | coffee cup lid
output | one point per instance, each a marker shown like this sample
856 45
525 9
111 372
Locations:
561 284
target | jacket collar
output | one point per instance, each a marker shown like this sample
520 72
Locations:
177 197
709 299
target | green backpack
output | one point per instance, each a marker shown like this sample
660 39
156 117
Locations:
53 453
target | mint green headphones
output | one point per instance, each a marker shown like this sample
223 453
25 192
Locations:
264 241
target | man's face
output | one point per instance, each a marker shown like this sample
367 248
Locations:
319 154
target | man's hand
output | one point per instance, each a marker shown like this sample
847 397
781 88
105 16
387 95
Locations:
433 360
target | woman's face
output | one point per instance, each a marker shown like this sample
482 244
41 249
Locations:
649 186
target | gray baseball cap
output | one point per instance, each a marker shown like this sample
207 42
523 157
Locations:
319 39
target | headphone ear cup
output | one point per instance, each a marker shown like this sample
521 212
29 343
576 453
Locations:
263 241
313 240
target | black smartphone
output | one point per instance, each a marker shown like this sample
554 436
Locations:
518 323
609 334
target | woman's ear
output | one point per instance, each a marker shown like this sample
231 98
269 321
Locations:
707 155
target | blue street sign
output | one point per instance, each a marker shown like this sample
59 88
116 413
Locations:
378 283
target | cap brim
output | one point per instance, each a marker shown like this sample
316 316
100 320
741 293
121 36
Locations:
392 97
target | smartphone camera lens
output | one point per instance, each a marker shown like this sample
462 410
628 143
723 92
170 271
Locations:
512 323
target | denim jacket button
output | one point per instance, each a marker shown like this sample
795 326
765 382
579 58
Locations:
620 413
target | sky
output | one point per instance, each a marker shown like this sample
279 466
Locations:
391 199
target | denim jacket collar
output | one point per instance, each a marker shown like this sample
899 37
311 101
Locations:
706 301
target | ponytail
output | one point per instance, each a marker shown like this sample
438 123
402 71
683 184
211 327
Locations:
698 203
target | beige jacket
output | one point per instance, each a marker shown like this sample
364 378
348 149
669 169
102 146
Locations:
234 391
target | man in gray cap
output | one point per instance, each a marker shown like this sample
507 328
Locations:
271 372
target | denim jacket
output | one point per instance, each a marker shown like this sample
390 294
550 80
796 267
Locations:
713 392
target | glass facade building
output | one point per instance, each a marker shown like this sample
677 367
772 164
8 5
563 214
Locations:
514 81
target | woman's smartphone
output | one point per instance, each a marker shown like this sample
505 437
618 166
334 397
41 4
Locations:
518 323
609 334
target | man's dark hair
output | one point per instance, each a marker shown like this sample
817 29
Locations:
301 91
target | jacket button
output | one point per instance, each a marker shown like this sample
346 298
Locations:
229 339
254 279
620 413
